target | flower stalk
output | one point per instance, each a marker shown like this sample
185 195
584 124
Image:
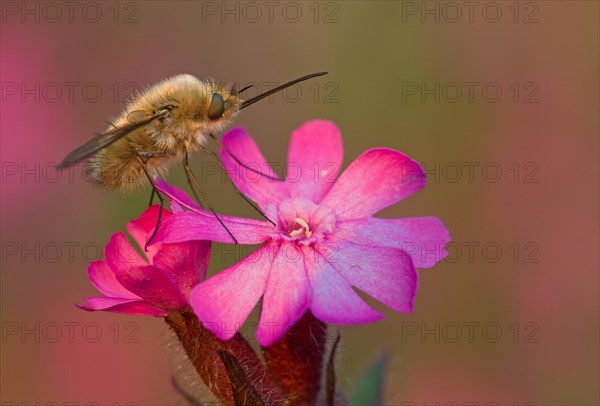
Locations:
205 350
296 360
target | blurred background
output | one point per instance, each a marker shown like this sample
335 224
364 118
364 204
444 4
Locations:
498 100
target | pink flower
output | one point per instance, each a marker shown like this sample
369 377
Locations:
325 241
154 286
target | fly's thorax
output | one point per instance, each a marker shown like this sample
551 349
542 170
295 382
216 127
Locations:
210 110
195 109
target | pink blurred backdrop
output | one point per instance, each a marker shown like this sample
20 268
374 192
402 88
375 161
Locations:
540 292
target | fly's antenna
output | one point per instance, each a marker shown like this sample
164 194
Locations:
279 88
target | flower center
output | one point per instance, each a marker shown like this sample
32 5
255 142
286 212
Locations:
303 222
304 228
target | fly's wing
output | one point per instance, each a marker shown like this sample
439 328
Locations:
105 139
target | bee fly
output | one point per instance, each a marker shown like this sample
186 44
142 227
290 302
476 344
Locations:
161 127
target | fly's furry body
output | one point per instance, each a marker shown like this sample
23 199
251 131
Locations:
184 104
160 127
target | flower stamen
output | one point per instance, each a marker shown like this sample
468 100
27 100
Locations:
304 228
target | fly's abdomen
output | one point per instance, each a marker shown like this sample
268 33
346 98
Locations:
121 165
116 167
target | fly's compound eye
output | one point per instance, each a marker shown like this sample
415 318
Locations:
217 107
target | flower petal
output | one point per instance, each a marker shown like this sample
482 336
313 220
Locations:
314 159
377 179
224 301
385 273
185 263
141 227
260 182
120 254
423 238
333 299
191 226
286 297
152 285
121 305
137 276
103 279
